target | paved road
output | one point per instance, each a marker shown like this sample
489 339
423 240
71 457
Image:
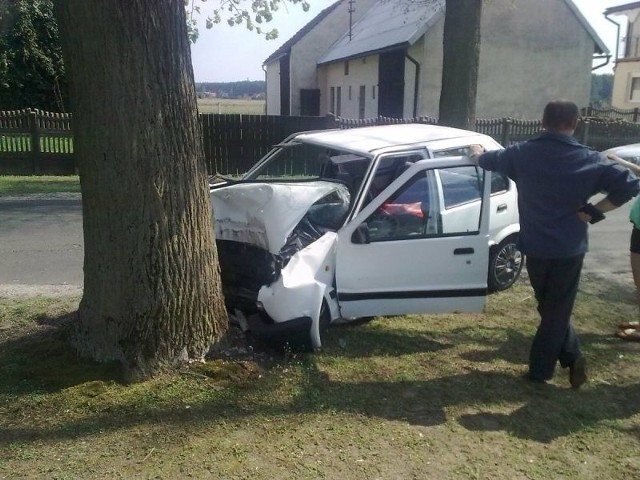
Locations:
41 247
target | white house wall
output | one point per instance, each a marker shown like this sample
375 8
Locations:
548 55
362 71
626 71
531 52
415 52
305 53
273 88
627 68
431 71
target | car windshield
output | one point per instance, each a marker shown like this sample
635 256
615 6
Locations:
303 161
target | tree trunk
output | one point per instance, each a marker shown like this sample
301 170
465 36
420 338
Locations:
152 293
461 55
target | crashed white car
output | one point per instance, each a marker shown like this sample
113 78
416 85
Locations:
336 225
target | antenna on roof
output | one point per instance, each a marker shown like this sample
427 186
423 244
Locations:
351 10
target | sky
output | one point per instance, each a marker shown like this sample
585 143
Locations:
229 54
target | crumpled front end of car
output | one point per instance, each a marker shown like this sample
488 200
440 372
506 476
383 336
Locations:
277 256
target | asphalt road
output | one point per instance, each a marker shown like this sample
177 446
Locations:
41 246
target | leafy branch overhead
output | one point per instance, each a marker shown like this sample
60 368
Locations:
253 14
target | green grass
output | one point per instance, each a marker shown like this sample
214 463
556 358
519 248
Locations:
231 106
48 144
20 185
422 396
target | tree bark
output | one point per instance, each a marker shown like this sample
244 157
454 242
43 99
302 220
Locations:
152 294
461 56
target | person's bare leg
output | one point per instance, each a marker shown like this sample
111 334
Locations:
635 271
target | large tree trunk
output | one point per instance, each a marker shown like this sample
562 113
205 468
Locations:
152 293
461 55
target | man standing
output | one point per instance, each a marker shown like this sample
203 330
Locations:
556 176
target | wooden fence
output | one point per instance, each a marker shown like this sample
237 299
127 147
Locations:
34 142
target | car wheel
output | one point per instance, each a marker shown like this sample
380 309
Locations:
505 264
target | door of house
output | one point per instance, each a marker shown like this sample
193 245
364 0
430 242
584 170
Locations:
361 101
391 84
310 102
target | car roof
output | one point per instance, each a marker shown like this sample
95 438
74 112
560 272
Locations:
370 139
632 148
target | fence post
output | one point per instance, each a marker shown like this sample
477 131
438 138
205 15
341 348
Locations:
35 138
506 131
585 131
635 115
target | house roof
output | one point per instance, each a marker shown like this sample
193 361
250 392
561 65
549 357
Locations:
285 49
385 26
623 9
599 45
389 25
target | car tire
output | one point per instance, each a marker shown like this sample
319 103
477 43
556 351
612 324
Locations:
505 264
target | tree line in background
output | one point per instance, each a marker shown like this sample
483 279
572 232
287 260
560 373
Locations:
244 89
601 89
31 67
32 70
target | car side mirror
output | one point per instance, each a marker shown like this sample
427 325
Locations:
361 235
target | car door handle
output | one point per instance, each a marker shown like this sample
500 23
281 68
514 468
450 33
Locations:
501 208
463 251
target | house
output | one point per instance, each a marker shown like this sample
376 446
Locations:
387 60
626 78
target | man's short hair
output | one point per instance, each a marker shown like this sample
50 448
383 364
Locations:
560 114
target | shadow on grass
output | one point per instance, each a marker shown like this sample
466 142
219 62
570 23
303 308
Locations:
548 412
43 362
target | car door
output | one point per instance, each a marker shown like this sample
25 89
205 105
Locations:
504 199
396 256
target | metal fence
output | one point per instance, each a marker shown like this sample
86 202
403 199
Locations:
612 113
34 142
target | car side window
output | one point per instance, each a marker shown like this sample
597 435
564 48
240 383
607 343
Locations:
388 169
499 181
460 185
462 193
403 215
438 202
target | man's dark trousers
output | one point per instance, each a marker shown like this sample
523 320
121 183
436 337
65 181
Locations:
555 283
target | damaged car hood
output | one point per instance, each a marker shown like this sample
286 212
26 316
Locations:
264 214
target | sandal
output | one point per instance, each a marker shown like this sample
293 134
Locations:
625 325
629 334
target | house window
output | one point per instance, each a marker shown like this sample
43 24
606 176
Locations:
634 94
349 92
346 67
338 111
332 100
373 92
361 101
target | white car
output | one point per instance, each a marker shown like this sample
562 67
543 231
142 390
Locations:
630 153
336 225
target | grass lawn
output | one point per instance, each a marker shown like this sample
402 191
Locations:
416 397
18 185
231 106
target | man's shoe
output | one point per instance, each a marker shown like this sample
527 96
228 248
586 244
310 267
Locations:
578 372
531 379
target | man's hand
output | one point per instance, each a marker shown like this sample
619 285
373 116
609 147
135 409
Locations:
476 149
474 152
